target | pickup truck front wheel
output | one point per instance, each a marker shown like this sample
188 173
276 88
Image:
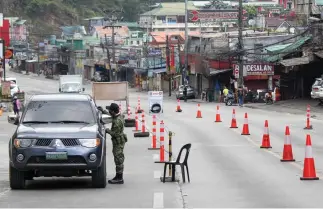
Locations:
99 176
17 178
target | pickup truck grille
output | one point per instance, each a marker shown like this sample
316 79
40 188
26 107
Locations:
70 160
66 142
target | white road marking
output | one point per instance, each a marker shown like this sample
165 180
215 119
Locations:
155 157
269 151
4 192
158 201
157 174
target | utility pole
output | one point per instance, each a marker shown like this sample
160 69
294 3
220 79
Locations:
168 66
108 56
179 55
186 45
113 17
240 45
4 58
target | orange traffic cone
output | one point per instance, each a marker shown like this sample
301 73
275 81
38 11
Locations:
266 137
309 172
308 116
288 151
234 120
245 129
217 116
198 114
178 109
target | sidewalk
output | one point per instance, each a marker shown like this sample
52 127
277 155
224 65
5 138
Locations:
295 106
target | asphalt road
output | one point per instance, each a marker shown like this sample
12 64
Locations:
226 169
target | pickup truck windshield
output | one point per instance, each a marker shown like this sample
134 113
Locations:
57 111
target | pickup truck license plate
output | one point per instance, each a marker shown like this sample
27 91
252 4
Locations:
56 156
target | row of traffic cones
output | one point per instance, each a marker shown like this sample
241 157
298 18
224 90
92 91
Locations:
245 125
309 172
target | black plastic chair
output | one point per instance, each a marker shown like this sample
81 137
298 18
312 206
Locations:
186 147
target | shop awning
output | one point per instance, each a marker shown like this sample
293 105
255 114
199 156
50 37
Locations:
216 71
295 61
163 70
289 49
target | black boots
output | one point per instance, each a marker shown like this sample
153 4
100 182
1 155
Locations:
118 179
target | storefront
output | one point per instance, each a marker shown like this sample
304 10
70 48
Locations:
257 76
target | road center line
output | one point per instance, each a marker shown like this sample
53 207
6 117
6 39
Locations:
4 193
158 201
155 157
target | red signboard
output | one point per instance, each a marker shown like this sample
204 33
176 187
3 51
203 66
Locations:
213 15
255 69
4 32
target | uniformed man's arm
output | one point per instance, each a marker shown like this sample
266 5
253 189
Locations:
117 129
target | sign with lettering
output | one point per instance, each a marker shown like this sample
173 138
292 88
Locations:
213 15
254 69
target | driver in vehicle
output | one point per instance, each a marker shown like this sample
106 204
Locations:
119 140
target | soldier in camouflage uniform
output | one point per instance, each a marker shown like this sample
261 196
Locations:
118 141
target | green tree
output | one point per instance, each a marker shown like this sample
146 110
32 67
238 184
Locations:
251 10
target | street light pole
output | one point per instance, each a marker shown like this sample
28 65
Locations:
186 46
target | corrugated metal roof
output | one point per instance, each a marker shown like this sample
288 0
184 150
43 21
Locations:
171 8
20 22
94 18
71 30
289 49
295 61
277 47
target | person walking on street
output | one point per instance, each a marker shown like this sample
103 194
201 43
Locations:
16 105
119 140
240 97
185 93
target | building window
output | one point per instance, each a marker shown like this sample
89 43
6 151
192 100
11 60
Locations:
180 19
161 18
131 42
182 29
203 29
138 42
161 29
193 29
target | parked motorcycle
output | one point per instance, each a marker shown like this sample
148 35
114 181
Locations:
269 100
229 99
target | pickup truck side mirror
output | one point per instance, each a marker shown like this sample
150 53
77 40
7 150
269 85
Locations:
106 119
13 119
83 89
59 89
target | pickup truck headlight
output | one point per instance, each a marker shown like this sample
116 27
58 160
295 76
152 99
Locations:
23 143
90 143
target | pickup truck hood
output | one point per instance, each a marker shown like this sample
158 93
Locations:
57 131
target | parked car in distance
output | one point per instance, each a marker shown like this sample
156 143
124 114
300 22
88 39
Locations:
317 90
59 135
190 92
